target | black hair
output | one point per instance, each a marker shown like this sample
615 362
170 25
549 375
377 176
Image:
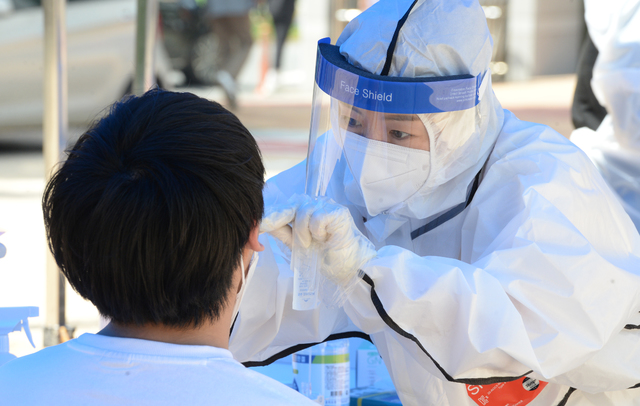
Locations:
148 216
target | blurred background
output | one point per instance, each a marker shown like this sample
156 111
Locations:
258 60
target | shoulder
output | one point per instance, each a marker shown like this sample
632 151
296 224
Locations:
529 154
42 357
245 386
20 374
71 373
521 139
272 389
536 181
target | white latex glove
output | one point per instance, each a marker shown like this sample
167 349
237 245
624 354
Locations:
324 224
276 221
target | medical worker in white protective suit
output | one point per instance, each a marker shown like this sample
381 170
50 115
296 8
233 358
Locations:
485 256
615 146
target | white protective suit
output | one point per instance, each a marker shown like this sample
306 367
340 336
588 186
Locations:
615 146
539 275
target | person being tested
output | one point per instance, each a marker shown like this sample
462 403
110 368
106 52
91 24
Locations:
484 256
154 218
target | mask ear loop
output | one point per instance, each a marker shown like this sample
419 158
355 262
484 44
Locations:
242 271
394 39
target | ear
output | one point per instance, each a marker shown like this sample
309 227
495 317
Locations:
253 242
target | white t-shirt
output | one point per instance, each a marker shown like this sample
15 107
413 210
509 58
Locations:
101 370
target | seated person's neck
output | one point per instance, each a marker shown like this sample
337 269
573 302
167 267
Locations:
215 334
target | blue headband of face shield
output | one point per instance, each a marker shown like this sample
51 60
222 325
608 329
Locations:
398 95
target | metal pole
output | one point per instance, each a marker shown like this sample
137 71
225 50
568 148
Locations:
146 26
54 131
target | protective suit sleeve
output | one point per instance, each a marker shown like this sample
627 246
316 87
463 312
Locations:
547 281
267 328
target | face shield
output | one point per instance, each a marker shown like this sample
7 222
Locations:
391 142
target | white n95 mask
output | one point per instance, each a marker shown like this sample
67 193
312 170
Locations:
386 174
245 281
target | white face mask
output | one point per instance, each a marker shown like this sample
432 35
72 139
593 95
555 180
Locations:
245 281
388 174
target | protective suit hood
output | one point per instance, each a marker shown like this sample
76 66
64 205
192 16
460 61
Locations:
432 43
439 38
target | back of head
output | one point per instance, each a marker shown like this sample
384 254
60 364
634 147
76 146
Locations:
148 216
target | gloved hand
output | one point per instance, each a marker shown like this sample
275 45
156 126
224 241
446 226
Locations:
276 221
328 226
